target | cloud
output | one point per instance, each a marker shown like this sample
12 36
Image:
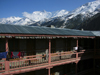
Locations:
37 15
41 15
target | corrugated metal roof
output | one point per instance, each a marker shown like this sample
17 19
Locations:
96 33
18 29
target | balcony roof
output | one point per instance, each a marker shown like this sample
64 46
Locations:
96 33
34 30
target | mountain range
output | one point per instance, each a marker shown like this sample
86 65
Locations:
32 18
92 23
75 19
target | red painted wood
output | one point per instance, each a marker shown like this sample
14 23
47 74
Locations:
7 48
58 36
76 68
49 61
49 71
27 67
77 43
7 66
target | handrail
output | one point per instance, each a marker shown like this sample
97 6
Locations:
2 66
35 60
25 59
61 53
32 56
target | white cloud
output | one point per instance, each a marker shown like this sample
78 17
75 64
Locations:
37 15
40 15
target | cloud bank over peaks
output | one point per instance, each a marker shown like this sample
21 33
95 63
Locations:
29 18
59 13
40 15
9 20
37 15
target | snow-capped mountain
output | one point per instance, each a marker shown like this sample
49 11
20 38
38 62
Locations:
32 18
74 17
61 18
9 20
23 21
16 21
90 7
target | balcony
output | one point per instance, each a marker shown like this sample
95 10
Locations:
36 62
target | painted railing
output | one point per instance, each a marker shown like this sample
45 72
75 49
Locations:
37 60
2 66
28 61
62 56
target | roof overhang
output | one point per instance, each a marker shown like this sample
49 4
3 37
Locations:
41 36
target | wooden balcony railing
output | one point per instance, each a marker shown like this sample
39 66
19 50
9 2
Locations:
36 61
62 56
2 66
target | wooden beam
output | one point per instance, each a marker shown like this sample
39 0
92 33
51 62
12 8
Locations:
94 55
7 48
64 40
7 66
76 68
49 71
50 36
77 43
49 60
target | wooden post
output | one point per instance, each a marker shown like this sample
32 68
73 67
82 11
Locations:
77 48
6 62
76 68
76 57
94 55
7 48
77 43
6 66
49 60
48 71
64 41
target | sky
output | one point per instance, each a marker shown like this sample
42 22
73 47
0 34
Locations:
16 8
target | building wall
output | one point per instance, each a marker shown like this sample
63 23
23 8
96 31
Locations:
85 65
60 45
2 45
41 46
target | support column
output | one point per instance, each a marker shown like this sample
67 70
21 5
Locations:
94 55
49 60
6 66
76 57
77 49
76 63
7 48
64 45
77 43
48 71
76 68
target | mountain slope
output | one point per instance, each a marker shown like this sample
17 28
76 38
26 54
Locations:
92 23
33 17
73 18
60 19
